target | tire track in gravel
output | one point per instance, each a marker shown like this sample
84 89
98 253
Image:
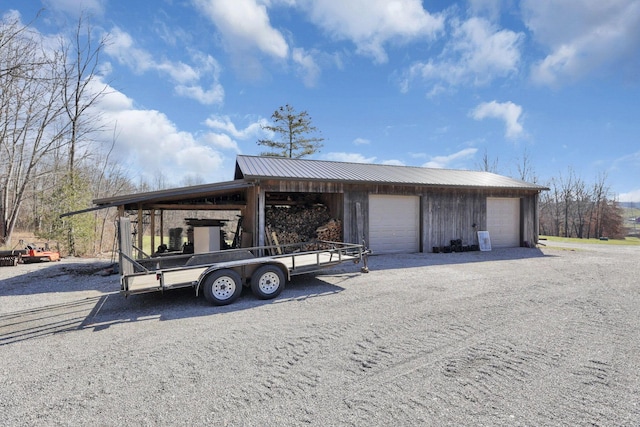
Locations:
290 369
590 393
463 355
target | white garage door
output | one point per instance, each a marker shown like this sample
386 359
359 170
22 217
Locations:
503 222
394 224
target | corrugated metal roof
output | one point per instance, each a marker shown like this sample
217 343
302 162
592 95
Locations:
253 167
174 193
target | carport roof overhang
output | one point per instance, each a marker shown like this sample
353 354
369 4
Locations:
205 196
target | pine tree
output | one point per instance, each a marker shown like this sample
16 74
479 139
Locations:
293 129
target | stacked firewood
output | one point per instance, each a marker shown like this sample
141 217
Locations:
331 231
297 224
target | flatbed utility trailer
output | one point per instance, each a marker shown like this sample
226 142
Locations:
221 275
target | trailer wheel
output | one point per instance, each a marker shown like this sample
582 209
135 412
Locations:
267 282
222 287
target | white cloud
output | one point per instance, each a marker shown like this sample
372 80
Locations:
393 162
121 47
630 197
489 8
214 95
149 144
477 53
245 25
370 24
348 157
189 80
509 112
221 141
361 141
584 37
307 66
224 123
441 162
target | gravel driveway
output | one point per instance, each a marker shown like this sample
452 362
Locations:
518 337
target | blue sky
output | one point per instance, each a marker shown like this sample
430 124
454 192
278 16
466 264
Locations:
431 83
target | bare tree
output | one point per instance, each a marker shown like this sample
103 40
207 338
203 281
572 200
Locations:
599 195
552 208
488 165
46 96
526 170
581 205
81 58
30 108
572 209
12 32
566 189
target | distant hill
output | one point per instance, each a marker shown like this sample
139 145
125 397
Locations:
630 205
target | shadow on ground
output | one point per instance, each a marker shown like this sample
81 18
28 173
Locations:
111 308
101 312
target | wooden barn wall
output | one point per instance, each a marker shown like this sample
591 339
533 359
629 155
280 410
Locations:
334 202
447 213
529 220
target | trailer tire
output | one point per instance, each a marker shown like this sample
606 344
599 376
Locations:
267 282
222 287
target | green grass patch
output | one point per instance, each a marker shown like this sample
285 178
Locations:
628 241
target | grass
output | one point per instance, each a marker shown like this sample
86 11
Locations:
628 241
631 213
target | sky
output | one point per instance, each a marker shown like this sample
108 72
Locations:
441 84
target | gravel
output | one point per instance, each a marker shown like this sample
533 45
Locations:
517 337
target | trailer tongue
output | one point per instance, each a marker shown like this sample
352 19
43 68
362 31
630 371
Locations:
220 275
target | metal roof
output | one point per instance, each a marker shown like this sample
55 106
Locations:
174 194
253 167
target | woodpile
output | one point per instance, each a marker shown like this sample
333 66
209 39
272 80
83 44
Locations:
298 224
331 231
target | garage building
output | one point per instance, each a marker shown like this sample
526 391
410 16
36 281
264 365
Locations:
394 209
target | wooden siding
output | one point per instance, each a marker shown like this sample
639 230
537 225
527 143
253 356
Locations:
452 215
529 220
446 213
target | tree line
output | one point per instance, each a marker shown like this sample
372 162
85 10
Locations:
574 208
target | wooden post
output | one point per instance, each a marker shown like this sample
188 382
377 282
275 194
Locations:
140 230
152 214
161 226
359 224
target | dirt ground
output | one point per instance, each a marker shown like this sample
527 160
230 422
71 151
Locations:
517 337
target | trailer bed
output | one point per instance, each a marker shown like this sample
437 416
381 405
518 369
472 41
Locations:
188 276
220 275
